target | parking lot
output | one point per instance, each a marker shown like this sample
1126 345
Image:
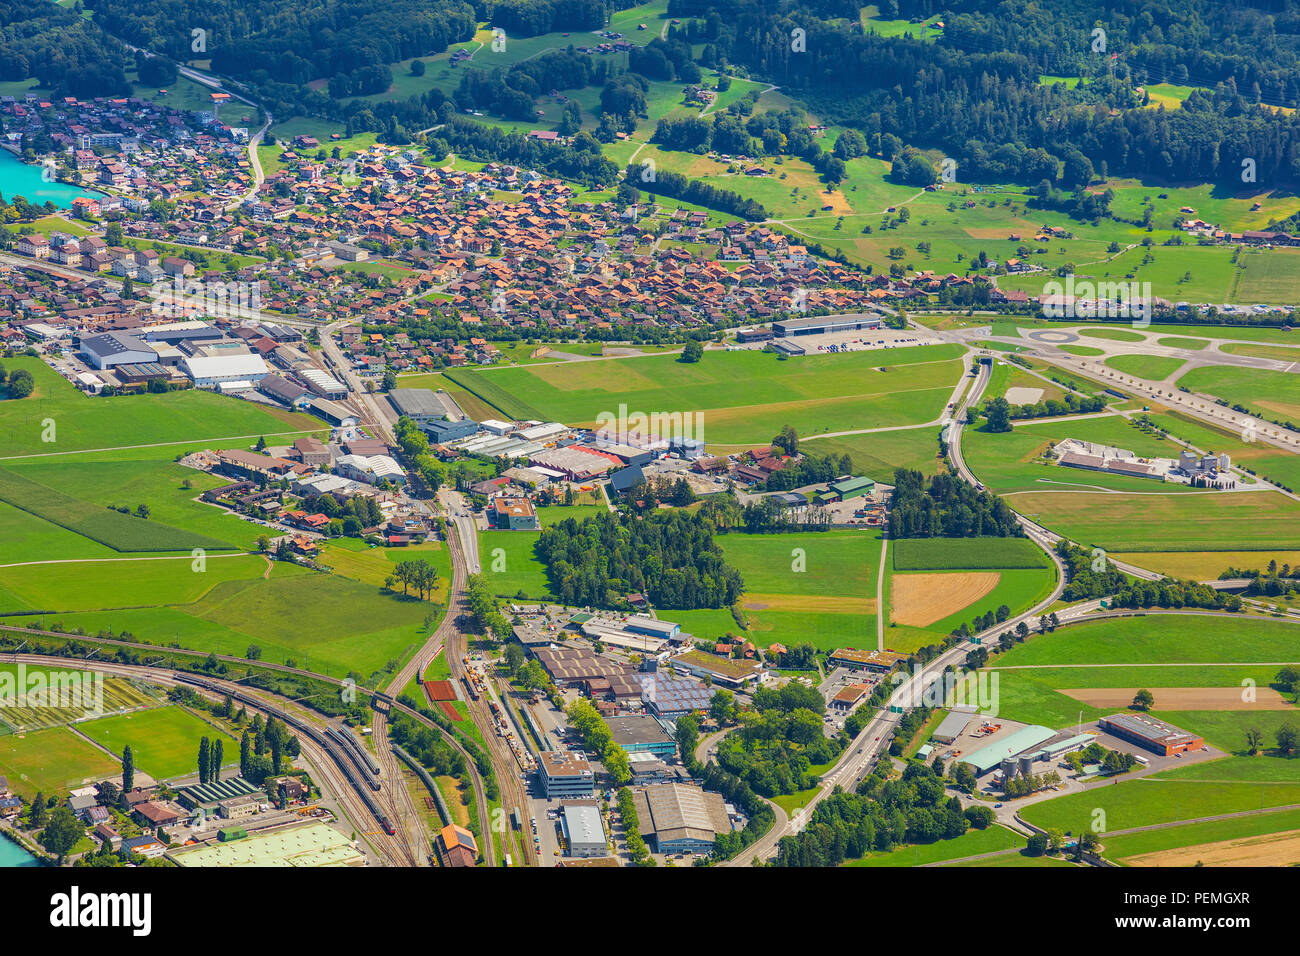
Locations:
859 340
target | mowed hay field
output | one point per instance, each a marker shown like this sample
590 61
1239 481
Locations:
818 587
918 600
164 741
1191 521
1206 565
82 422
744 397
970 554
1274 849
1184 698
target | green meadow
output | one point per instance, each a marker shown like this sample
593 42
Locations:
743 397
164 740
81 422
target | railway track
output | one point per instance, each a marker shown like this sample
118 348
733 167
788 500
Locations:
171 654
328 765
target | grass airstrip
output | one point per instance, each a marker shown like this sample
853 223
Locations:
738 398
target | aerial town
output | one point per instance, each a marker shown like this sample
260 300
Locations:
601 435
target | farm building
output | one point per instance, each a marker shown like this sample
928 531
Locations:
845 489
1155 735
822 324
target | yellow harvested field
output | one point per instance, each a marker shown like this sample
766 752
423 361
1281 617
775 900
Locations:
1183 698
1205 565
808 603
918 600
1273 849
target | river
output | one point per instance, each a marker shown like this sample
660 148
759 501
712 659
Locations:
11 854
19 179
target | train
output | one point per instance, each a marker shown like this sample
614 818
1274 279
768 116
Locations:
340 750
365 763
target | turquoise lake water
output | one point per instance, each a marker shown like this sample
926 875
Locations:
11 854
19 179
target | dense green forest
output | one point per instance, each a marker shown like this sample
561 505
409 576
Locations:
669 556
947 507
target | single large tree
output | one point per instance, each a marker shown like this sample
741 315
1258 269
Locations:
205 755
128 769
1144 699
62 832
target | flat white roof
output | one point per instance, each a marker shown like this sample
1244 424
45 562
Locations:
222 366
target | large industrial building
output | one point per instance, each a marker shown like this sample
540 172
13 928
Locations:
822 324
110 349
991 756
1155 735
209 372
639 733
680 818
420 405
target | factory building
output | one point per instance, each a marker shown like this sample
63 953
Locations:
209 372
1155 735
823 324
110 349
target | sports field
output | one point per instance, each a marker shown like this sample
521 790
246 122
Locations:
67 701
164 740
55 760
741 398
